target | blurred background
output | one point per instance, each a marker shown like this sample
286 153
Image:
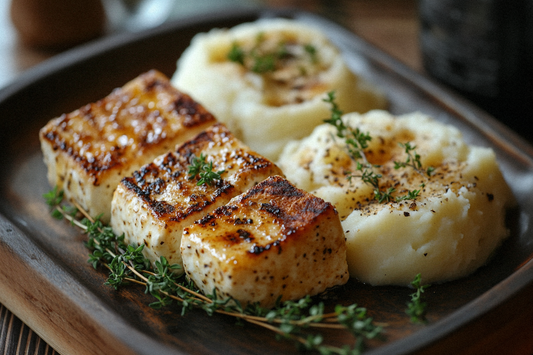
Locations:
481 49
390 24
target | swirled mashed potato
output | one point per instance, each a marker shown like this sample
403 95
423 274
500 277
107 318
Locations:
449 230
266 81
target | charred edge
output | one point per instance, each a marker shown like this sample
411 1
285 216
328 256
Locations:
275 186
92 167
257 162
226 210
158 207
153 79
238 221
245 235
161 207
196 144
130 185
193 112
196 207
146 170
203 204
206 219
169 160
238 237
157 186
273 210
316 206
258 249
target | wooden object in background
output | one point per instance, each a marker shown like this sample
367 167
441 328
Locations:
57 23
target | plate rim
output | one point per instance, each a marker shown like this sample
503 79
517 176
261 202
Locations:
494 130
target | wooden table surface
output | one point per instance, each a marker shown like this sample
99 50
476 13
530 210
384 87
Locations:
391 25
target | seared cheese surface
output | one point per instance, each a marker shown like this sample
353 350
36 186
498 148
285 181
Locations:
448 231
272 241
89 150
266 80
152 206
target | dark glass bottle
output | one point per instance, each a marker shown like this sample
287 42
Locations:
482 49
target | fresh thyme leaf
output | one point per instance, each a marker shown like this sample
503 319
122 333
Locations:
382 196
199 167
236 54
412 160
416 308
117 274
356 141
54 197
411 195
356 320
264 63
311 50
336 115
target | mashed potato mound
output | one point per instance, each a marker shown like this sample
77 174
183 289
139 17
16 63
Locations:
266 81
448 231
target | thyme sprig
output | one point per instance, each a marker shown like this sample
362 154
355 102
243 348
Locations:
297 321
200 167
53 199
412 160
416 308
356 143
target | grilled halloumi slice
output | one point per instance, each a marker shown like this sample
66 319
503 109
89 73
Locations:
88 151
273 241
154 205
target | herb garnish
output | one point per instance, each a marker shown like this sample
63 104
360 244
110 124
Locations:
356 142
236 54
297 321
263 60
411 195
53 199
416 308
413 160
199 167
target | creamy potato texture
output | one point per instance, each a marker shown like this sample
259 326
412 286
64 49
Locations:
448 231
266 81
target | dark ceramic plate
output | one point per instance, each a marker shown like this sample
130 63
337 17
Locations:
47 282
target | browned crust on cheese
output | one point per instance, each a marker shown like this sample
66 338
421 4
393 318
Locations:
104 135
149 182
276 201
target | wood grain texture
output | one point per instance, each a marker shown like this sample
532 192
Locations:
33 287
16 338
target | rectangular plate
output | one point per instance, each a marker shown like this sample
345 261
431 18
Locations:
45 278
